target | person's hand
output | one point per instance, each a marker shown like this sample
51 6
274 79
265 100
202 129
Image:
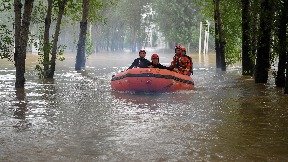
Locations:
150 66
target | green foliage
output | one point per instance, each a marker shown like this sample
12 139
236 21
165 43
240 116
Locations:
6 42
40 71
74 10
123 25
178 21
38 20
60 52
95 7
231 19
6 30
89 45
39 11
5 5
131 12
231 14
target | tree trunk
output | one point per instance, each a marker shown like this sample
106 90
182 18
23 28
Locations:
56 37
286 80
46 46
133 43
17 10
263 52
282 49
254 18
222 40
80 58
21 39
218 57
247 62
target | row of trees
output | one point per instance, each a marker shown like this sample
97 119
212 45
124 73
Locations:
265 38
126 25
110 28
16 31
129 23
253 32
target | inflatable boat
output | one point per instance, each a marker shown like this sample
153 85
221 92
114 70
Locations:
151 80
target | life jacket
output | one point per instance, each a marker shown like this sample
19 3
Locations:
185 65
175 62
191 64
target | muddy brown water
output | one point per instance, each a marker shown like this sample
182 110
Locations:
77 117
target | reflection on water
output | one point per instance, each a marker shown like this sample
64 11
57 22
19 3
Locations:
77 117
20 110
204 59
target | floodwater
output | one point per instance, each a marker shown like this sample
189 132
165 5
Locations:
77 117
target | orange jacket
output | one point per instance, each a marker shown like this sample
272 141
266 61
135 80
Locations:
175 61
182 64
185 64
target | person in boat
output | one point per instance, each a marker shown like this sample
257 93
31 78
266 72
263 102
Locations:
189 61
140 62
175 62
180 63
155 63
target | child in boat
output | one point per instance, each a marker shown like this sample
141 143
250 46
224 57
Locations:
189 61
155 63
140 62
180 63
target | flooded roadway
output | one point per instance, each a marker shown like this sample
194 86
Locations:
77 117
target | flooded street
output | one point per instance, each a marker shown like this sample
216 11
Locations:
78 117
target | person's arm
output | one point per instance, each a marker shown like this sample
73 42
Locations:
133 64
148 63
170 68
172 64
160 66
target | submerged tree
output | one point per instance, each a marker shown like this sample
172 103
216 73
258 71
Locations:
263 51
227 31
49 47
51 70
286 80
222 39
91 15
282 42
80 58
22 23
46 44
216 39
247 60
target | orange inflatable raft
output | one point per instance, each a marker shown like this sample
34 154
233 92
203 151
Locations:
151 80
